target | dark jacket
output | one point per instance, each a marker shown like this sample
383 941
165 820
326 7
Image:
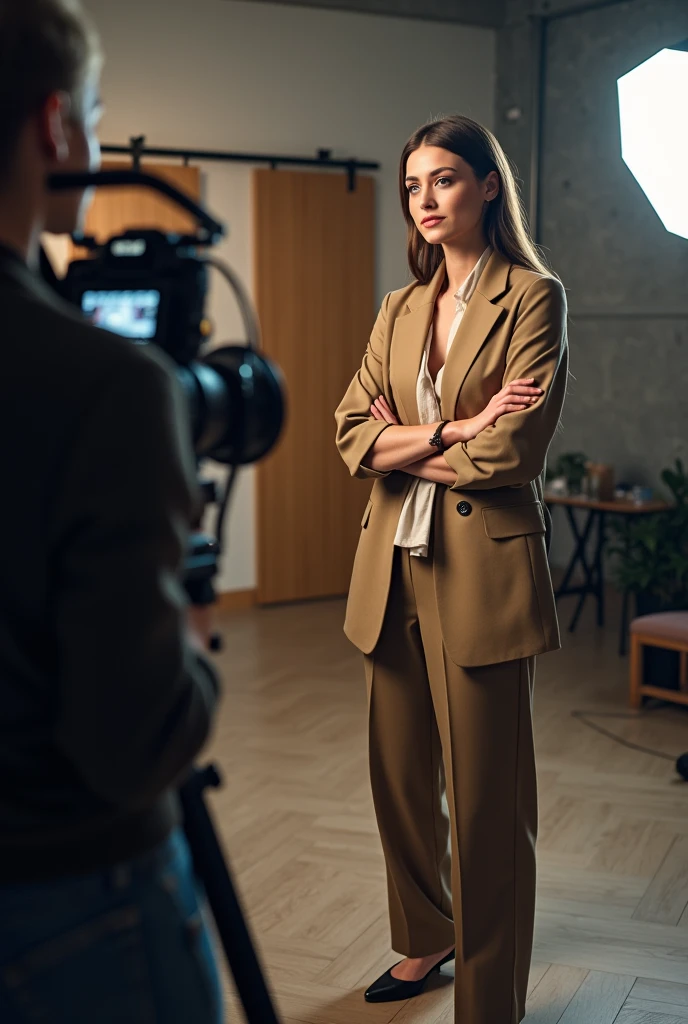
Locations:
102 704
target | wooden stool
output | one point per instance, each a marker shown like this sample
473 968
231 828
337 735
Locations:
665 629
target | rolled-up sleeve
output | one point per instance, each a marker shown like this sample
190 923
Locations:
512 452
357 431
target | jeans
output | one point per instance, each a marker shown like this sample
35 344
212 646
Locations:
127 945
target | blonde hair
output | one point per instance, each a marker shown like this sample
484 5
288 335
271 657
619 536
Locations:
506 224
46 46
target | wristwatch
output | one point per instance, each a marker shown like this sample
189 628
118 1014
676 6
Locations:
436 439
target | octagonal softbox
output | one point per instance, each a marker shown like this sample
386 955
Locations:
653 111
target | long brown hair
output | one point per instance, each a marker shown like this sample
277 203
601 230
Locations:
505 222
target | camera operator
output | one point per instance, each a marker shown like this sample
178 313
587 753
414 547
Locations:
105 694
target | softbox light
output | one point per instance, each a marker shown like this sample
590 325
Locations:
653 112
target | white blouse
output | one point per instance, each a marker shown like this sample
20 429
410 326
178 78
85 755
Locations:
413 530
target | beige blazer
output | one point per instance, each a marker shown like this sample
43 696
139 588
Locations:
492 578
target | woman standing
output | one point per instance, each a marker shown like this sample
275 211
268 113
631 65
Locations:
452 412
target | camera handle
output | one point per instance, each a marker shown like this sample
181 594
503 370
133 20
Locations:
214 871
211 230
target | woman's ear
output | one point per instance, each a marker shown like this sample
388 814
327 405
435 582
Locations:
492 185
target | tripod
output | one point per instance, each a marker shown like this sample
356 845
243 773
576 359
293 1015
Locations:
209 862
213 870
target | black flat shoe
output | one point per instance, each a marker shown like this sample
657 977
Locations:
387 988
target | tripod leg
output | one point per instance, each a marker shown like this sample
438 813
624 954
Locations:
213 870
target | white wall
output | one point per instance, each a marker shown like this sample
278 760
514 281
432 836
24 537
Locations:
216 74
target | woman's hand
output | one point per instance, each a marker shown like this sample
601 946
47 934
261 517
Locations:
514 397
380 410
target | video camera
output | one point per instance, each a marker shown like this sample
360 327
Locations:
151 287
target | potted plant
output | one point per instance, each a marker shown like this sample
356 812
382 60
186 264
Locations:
571 466
652 564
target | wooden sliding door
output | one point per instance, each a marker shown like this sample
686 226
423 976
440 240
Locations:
314 284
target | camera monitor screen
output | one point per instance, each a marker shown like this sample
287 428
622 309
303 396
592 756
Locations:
131 313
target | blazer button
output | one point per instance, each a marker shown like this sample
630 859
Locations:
464 508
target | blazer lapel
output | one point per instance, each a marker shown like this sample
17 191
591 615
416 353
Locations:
408 341
482 313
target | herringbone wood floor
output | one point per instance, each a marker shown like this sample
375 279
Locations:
297 820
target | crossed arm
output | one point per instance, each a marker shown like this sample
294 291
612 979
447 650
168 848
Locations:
406 448
504 446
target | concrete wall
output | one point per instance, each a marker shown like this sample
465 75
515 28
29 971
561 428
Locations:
626 276
257 77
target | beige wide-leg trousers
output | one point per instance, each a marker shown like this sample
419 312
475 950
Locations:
438 730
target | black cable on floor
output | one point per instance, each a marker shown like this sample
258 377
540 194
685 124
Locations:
584 716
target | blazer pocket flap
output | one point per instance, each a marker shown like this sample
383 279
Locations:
366 515
513 520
